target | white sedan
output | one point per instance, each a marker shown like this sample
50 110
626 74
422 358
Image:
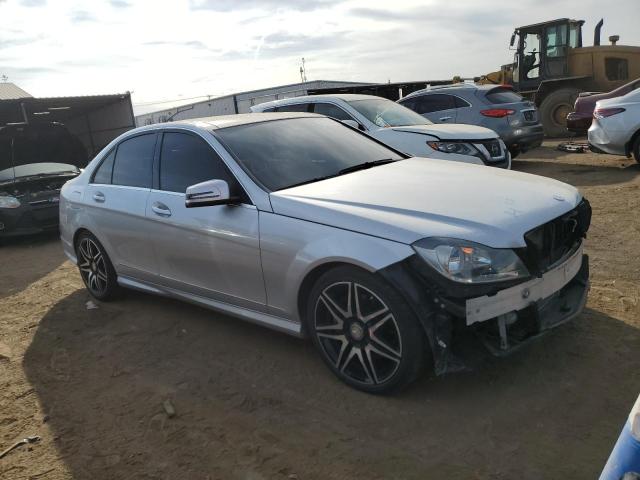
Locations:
616 126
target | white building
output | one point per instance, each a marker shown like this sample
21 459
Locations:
236 103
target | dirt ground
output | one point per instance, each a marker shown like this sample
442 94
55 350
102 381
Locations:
254 404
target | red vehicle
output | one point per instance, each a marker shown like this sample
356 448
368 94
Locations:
579 120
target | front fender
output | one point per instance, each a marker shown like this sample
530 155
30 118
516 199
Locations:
292 248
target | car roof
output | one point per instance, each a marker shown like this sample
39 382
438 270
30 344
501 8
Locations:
455 87
347 97
225 121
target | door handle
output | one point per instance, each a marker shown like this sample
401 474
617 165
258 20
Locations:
161 209
98 197
444 119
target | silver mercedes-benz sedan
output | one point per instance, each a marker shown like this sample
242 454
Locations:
300 223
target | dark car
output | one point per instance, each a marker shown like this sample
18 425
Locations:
496 107
580 119
35 161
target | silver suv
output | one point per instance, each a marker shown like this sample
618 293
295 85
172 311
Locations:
496 107
299 223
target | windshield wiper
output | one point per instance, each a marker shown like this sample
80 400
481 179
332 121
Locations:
365 165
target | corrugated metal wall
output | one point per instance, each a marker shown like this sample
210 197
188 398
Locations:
227 105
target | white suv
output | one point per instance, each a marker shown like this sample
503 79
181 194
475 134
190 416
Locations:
401 128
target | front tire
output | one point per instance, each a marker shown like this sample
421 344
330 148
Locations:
554 110
636 149
95 267
364 331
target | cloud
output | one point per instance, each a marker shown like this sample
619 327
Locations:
82 16
33 3
235 5
119 4
282 44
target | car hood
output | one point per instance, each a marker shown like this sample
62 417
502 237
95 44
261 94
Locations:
450 132
416 198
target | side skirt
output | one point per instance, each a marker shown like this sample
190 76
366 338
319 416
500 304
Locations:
275 323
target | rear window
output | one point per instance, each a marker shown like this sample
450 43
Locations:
503 95
298 107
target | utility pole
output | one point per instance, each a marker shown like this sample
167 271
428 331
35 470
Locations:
303 72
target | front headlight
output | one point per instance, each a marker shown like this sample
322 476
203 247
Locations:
7 201
461 148
469 262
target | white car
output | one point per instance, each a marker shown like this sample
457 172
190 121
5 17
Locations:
616 126
401 128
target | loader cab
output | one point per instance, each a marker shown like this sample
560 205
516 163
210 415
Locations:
542 51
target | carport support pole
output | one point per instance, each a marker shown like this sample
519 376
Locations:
93 147
24 112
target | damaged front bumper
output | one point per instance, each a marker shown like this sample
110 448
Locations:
503 319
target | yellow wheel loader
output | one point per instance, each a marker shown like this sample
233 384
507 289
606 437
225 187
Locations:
551 67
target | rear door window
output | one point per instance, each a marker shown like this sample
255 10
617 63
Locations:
186 160
134 161
503 95
332 111
104 171
298 107
434 103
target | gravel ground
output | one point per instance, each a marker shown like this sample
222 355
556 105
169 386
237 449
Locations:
253 404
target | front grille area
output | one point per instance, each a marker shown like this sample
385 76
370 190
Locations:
554 241
493 147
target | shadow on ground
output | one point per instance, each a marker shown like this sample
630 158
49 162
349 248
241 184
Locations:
255 404
17 255
581 175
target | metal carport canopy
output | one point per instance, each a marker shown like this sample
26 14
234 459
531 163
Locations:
95 119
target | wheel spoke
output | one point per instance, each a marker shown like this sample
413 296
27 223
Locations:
335 313
370 316
101 276
357 353
84 250
381 343
340 311
344 344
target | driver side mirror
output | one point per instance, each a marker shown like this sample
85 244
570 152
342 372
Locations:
513 39
353 124
211 192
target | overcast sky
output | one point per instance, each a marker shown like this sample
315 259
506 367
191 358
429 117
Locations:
185 48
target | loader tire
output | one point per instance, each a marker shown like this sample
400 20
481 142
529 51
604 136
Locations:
554 110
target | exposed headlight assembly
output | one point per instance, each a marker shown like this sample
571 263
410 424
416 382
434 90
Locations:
461 148
7 201
469 262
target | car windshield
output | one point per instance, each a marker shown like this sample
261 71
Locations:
283 153
386 113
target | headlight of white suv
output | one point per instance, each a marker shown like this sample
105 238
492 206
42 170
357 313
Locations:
469 262
461 148
7 201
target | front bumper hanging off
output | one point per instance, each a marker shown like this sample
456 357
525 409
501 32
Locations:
504 320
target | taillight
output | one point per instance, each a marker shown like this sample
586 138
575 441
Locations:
497 112
606 112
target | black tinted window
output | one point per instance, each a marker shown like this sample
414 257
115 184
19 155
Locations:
434 103
461 103
186 160
503 95
331 111
282 153
103 173
298 107
134 159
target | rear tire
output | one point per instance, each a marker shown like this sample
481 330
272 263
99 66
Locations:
95 267
554 110
364 331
